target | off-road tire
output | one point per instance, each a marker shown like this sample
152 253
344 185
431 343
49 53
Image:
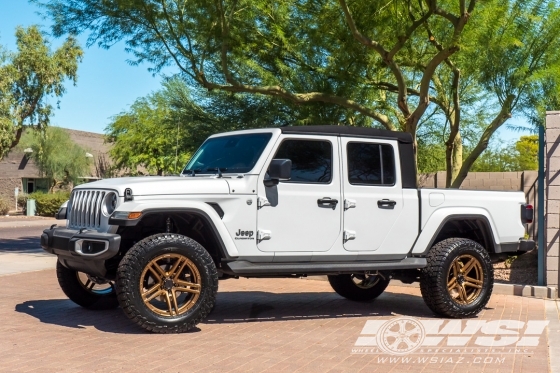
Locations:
128 282
75 290
434 278
345 286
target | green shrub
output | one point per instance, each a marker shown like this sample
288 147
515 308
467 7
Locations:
48 204
22 202
4 206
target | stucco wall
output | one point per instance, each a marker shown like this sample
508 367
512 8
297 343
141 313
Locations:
7 186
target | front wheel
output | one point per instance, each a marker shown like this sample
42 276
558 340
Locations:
167 283
458 280
360 287
85 290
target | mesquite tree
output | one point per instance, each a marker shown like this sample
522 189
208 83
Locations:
399 63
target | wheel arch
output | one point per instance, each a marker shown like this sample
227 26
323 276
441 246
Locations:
201 223
476 227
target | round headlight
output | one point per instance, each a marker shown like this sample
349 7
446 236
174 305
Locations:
109 203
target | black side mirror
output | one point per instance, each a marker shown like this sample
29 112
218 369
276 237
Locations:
279 169
60 214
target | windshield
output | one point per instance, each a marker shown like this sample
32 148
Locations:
231 154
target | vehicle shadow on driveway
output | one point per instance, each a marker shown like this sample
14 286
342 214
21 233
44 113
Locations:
64 312
21 245
236 307
256 306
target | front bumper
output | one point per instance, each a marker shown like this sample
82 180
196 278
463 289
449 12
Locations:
84 251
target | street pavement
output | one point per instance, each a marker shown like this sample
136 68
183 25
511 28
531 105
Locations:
20 249
264 325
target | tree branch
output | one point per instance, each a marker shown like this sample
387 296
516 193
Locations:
482 144
402 101
304 98
454 123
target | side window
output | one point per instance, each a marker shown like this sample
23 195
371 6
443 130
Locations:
370 164
311 160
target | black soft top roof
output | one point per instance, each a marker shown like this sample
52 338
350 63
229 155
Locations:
403 137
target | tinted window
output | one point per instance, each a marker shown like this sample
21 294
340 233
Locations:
371 164
235 154
311 160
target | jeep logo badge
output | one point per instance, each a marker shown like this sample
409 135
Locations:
244 235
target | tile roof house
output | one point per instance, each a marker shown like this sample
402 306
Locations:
17 171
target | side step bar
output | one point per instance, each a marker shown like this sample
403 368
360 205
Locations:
244 268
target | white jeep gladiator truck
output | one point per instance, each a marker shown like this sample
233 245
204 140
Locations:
282 202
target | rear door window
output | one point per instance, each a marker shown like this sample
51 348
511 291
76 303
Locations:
370 164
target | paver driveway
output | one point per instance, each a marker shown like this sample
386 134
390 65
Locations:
274 325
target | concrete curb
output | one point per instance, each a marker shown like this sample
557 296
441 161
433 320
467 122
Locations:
531 291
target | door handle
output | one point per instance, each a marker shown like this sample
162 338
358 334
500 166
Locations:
386 204
327 202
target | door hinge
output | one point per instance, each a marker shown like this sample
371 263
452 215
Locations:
263 235
261 202
349 235
349 204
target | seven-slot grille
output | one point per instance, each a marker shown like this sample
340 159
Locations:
85 208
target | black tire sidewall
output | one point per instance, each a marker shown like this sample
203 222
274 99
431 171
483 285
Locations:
129 279
473 249
434 278
75 291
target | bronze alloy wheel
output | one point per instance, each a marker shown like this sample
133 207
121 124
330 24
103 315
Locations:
367 281
94 285
465 279
170 284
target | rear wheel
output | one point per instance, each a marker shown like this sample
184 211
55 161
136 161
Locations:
360 287
167 283
458 280
86 291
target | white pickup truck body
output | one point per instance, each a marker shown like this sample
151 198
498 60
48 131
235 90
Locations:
351 204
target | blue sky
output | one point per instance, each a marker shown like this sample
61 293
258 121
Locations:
107 84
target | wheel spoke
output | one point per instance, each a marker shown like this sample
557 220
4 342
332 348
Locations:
467 267
151 293
175 301
456 268
463 293
470 284
393 334
169 305
408 342
402 326
413 331
178 272
175 265
473 280
395 344
188 287
156 270
452 283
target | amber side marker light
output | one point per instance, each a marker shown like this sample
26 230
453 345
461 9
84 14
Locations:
134 215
